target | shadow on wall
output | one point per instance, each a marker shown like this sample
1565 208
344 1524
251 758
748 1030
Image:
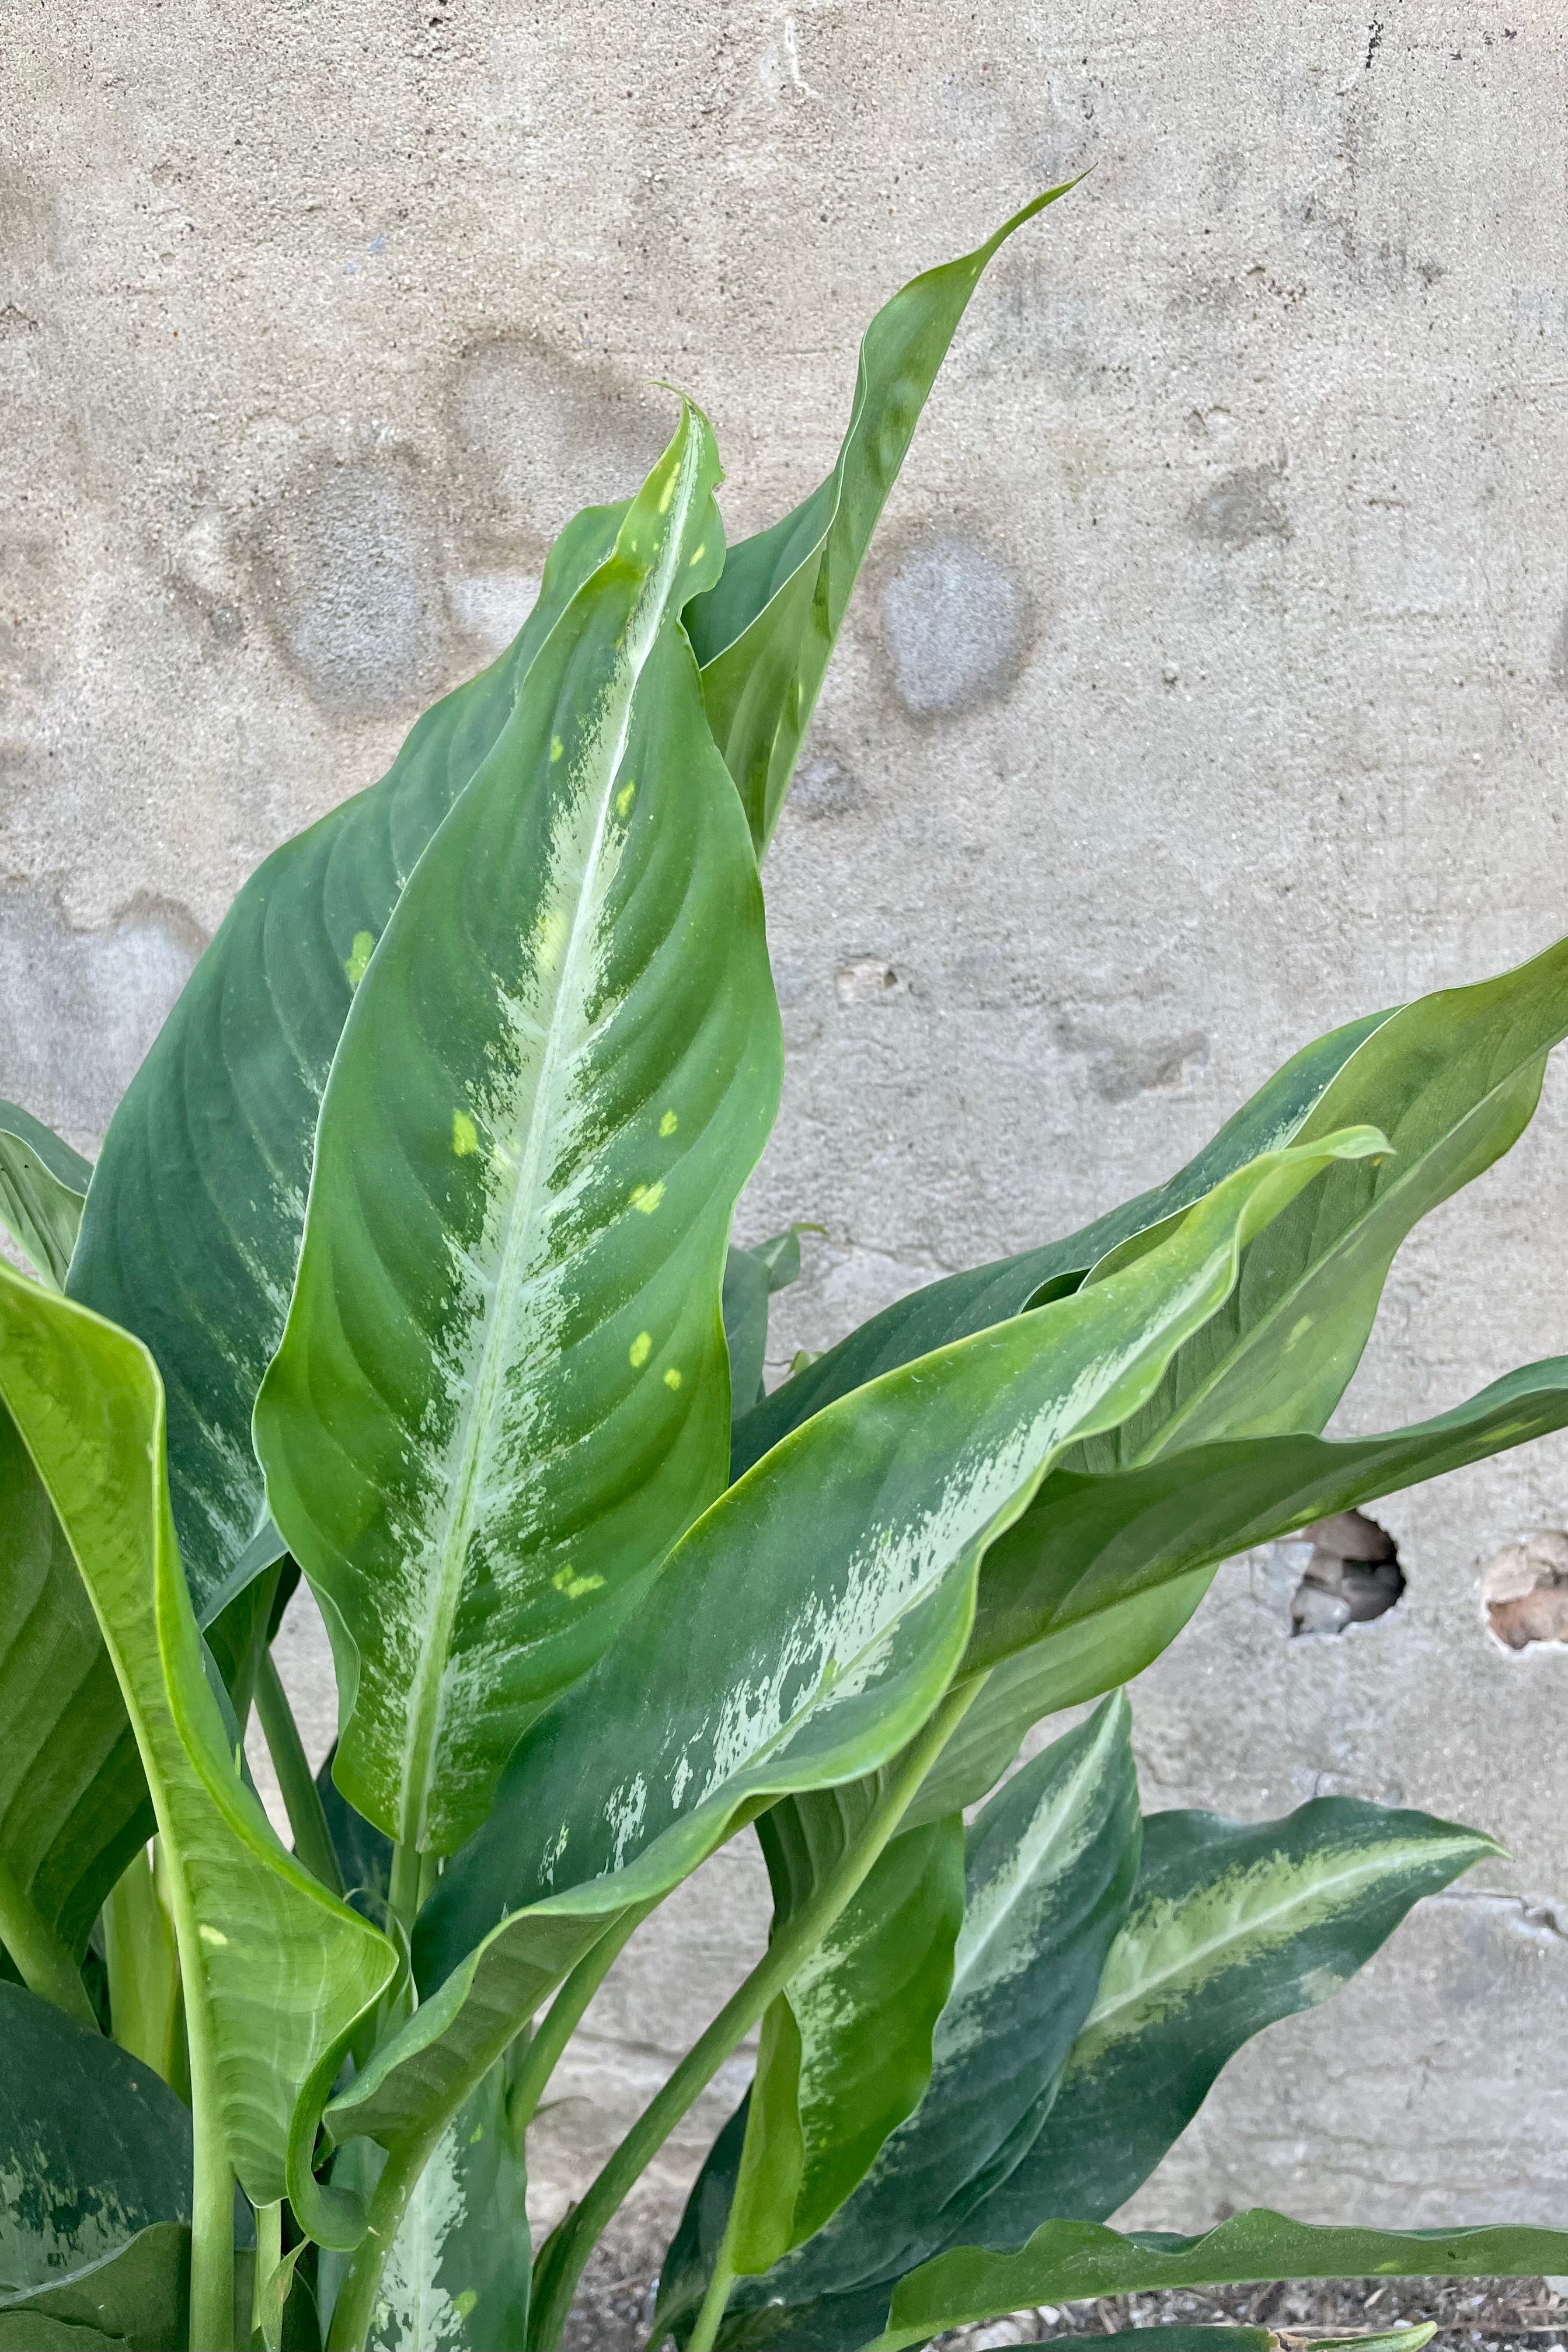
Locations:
80 1008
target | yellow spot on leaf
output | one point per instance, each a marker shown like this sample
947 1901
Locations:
213 1936
666 495
567 1580
647 1197
1299 1330
463 2303
698 556
556 747
359 957
624 798
465 1134
668 1123
672 1378
476 2135
551 937
640 1350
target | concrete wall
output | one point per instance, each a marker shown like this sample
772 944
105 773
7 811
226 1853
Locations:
1208 684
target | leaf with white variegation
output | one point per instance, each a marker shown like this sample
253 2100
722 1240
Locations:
457 2275
1049 1871
192 1233
800 1635
846 2051
502 1392
275 1972
1232 1925
94 2151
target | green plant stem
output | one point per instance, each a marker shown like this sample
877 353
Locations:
43 1961
562 2019
269 2259
563 2259
302 1798
403 1894
716 2302
212 2200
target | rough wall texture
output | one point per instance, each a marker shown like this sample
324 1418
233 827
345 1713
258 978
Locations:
1208 685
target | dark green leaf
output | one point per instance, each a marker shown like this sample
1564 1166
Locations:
502 1392
800 1635
137 2297
764 632
850 2056
93 2146
193 1229
459 2272
745 1308
43 1183
1051 1868
963 1302
363 1851
1076 2261
95 2155
1233 1926
750 1278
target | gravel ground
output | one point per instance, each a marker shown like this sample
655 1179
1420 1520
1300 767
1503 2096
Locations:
616 2308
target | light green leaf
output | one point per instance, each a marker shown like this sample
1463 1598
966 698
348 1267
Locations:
73 1798
800 1635
848 2055
1103 1571
1051 1868
1076 2261
1233 1926
1452 1081
502 1393
764 632
275 1972
43 1183
192 1233
963 1302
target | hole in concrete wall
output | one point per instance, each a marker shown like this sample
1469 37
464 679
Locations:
1524 1590
1351 1576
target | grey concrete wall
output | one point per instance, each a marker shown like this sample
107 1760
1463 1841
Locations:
1208 685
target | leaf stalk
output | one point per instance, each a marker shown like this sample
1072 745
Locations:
565 2254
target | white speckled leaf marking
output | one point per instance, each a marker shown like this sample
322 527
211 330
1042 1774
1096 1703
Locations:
1233 1926
514 1244
1265 1907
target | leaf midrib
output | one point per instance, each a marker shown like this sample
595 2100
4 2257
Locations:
1071 1801
428 1698
1257 1927
1169 1433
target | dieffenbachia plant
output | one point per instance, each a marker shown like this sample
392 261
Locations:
406 1268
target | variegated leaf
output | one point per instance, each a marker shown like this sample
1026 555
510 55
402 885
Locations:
502 1392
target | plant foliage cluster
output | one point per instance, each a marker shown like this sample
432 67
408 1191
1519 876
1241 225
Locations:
407 1267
